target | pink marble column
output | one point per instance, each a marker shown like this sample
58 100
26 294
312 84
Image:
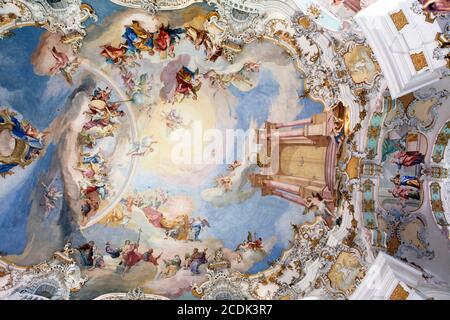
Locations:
289 197
293 123
301 140
292 133
354 5
282 186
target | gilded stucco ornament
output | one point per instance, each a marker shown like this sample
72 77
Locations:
134 294
324 262
55 279
406 234
406 115
327 72
150 6
65 17
337 270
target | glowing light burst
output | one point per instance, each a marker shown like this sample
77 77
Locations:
178 205
160 161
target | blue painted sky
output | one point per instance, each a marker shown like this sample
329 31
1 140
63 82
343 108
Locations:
102 9
22 90
16 205
258 214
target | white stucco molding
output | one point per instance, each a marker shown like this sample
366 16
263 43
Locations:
403 43
387 272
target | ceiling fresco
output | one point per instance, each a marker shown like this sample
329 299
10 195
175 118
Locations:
223 149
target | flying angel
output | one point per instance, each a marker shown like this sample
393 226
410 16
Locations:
63 65
61 60
141 148
51 194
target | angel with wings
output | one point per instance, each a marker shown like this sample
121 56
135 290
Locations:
51 195
144 84
224 80
225 182
63 65
172 118
197 225
201 37
128 81
188 83
141 148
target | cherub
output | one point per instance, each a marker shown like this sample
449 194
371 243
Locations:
225 182
141 148
187 84
63 65
61 60
234 165
52 194
173 120
144 84
128 81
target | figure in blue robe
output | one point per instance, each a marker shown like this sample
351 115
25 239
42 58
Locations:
196 228
175 34
18 132
197 259
406 181
86 253
130 37
113 252
134 34
6 167
96 158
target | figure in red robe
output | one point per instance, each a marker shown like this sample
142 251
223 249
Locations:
162 41
153 216
131 256
61 60
408 158
354 5
166 38
114 55
187 84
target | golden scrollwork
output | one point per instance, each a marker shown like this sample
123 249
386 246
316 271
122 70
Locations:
7 18
399 20
305 22
345 272
314 11
399 293
419 61
20 149
89 11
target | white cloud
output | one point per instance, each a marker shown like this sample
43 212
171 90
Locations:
294 215
7 97
5 60
56 87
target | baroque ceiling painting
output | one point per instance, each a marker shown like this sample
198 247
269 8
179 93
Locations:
224 149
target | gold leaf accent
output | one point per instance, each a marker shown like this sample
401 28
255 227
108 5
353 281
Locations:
399 20
314 11
419 61
399 293
305 22
7 18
